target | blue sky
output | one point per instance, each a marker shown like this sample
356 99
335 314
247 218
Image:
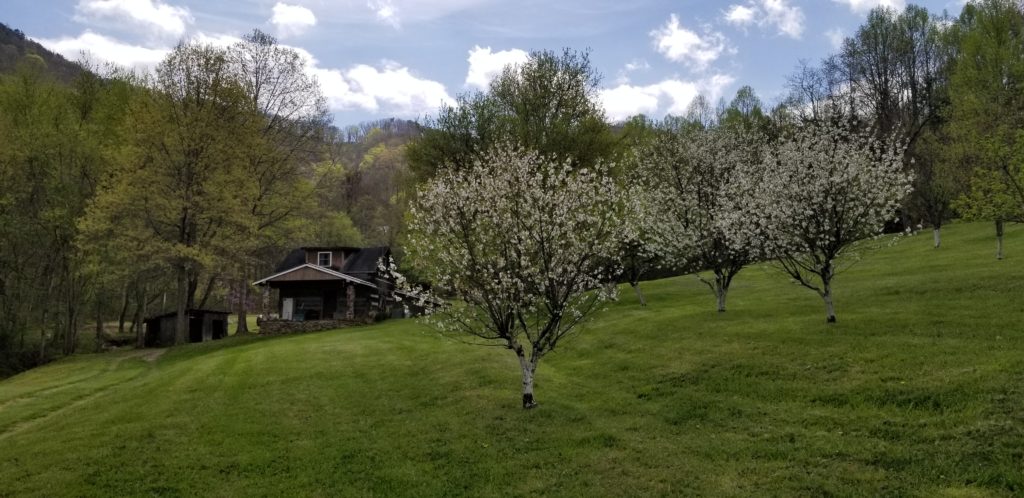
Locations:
383 58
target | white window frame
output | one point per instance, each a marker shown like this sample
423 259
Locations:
330 258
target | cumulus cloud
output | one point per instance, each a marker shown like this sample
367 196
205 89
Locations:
219 40
99 48
863 6
740 15
485 65
386 12
148 16
786 18
292 20
680 44
633 66
670 96
388 88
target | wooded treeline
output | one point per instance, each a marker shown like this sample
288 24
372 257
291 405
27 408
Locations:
127 194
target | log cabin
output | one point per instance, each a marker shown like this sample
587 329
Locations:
333 283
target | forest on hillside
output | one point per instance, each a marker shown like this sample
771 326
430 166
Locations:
129 194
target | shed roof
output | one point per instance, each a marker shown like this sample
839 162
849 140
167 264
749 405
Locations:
190 312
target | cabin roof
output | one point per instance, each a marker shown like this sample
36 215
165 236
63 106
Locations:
365 260
295 258
360 261
327 274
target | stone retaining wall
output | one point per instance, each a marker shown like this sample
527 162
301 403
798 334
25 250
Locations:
284 327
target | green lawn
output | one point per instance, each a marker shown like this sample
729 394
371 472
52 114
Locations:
918 390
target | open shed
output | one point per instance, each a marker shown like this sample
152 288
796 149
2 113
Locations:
203 325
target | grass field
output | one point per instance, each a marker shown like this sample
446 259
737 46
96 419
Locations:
918 390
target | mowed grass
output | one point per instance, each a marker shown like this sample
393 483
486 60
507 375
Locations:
917 390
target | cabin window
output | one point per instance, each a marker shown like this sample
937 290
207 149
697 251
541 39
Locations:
323 259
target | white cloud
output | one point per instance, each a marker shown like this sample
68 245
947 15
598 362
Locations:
389 88
99 48
788 19
386 12
683 45
635 65
671 96
740 15
863 6
218 40
835 37
485 65
292 20
145 15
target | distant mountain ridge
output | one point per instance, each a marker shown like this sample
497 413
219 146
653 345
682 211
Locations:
14 45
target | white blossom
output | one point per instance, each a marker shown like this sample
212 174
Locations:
819 191
525 246
693 205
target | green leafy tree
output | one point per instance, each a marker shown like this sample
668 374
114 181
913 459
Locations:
289 115
547 104
987 93
178 199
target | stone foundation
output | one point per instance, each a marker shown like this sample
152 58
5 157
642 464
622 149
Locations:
285 327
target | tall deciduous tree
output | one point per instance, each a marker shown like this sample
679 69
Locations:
892 75
524 242
820 191
548 104
987 93
291 116
178 199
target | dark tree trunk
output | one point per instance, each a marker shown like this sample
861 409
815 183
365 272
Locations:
193 286
124 310
99 324
206 292
140 316
70 329
999 239
242 327
181 321
42 340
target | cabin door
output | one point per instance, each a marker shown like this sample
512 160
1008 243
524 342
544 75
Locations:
287 305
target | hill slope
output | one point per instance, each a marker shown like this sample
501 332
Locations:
917 390
14 45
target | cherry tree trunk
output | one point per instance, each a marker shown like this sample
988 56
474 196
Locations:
830 309
938 237
529 368
639 293
721 290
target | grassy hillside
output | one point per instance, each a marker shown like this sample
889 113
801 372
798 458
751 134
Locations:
917 390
